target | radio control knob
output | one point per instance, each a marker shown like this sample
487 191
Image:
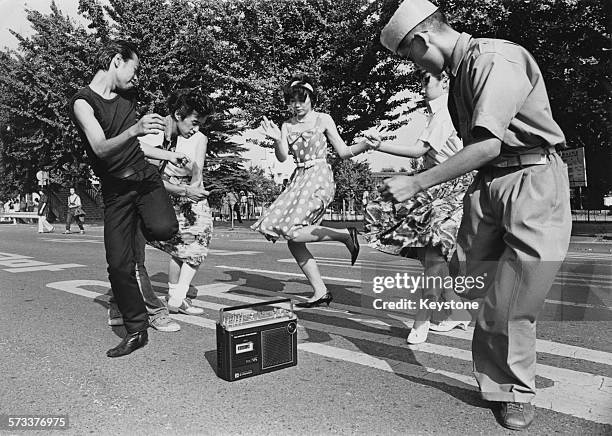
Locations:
291 328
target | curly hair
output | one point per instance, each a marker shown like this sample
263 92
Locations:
186 101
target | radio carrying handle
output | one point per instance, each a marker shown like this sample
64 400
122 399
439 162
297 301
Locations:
248 306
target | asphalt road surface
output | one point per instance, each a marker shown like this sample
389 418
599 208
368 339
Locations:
355 372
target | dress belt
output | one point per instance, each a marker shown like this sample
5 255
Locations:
519 160
310 163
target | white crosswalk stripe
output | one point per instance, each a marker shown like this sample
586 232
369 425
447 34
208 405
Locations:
582 394
605 286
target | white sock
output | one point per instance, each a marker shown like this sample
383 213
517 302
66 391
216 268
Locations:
186 275
174 298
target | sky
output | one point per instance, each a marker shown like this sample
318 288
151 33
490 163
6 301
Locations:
13 16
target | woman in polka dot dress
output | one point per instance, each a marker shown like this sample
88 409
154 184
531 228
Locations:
296 213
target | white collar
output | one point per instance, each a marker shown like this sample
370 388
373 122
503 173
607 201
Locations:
437 104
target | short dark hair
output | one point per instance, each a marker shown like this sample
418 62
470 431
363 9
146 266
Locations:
185 101
296 88
422 74
109 49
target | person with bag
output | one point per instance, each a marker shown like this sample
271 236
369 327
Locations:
74 211
43 210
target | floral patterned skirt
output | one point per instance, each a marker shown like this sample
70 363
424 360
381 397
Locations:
191 242
432 217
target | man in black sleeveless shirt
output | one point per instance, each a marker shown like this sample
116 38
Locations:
132 189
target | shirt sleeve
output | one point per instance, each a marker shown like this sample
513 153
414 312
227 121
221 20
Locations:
439 129
152 139
500 87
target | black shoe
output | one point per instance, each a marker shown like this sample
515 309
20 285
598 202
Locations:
515 416
327 298
355 251
130 343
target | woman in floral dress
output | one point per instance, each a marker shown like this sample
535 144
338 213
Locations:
297 212
188 249
425 227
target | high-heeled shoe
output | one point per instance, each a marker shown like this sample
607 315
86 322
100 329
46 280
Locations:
325 299
353 233
418 335
447 325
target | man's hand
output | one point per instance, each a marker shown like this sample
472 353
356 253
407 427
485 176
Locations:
179 159
151 123
196 193
400 188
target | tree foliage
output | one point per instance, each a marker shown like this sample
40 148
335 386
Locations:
570 40
243 51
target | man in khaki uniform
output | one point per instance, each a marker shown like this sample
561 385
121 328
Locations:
516 223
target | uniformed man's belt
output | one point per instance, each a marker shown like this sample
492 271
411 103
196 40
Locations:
519 160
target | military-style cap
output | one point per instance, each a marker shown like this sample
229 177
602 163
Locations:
409 14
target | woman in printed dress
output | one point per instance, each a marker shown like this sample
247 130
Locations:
425 227
297 212
188 249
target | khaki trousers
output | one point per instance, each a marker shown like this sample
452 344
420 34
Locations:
514 233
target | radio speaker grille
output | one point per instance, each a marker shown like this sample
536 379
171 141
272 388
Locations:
276 347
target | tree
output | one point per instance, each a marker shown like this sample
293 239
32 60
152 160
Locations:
36 83
352 176
570 40
242 51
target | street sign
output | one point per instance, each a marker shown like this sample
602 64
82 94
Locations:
576 166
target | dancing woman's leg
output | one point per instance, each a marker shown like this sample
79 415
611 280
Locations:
429 260
320 234
309 267
186 275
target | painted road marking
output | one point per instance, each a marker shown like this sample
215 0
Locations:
265 271
590 394
220 290
18 263
73 241
542 345
591 404
563 278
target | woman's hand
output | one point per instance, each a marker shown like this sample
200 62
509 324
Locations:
374 137
270 129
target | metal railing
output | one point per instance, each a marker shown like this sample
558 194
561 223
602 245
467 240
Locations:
590 216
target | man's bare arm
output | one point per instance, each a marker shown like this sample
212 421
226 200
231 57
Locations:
104 147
